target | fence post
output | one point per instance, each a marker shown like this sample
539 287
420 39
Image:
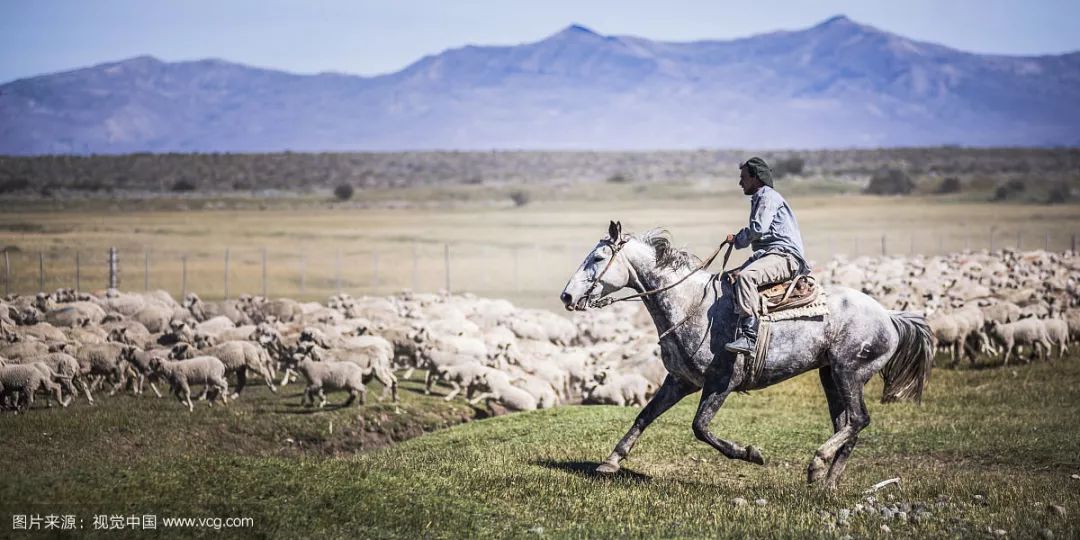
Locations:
446 265
1073 246
991 239
146 270
517 280
183 276
114 269
264 272
1046 241
415 267
7 270
1018 241
375 271
856 254
337 271
303 272
78 272
912 250
883 245
41 271
226 273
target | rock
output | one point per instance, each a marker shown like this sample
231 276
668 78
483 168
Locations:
1075 477
902 516
871 500
886 514
537 530
738 501
859 507
891 497
843 514
1056 509
1000 532
885 529
1047 534
905 507
761 502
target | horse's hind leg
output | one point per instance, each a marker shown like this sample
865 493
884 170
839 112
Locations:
836 414
670 393
850 391
712 397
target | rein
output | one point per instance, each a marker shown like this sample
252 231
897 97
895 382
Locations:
604 302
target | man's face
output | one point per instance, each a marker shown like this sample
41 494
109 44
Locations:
748 183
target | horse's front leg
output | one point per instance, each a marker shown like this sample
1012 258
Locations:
670 393
717 388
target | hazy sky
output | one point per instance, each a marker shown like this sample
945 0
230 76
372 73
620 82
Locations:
372 37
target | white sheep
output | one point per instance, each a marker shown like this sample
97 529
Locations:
106 361
181 374
495 386
460 375
24 380
1057 330
619 389
239 357
1025 332
67 372
330 375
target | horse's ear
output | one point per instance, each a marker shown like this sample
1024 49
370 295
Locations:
614 231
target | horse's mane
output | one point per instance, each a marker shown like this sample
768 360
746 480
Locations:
667 255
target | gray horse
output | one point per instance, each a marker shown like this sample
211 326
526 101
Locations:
856 340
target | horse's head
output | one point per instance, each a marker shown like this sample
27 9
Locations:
601 273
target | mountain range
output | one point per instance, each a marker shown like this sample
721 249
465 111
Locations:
837 84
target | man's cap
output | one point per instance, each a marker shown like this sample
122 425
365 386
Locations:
759 169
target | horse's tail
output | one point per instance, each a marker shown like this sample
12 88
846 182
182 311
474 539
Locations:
908 371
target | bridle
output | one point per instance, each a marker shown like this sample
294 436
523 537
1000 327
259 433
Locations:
617 246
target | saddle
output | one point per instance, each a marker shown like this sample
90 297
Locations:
802 290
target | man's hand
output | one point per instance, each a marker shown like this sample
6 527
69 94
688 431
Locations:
730 239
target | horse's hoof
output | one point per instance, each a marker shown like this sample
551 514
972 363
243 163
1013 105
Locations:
607 468
753 455
816 470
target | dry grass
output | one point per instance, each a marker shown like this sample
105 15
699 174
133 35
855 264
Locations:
521 253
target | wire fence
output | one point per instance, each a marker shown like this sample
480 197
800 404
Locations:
483 269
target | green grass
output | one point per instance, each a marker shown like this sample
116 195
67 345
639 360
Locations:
1008 434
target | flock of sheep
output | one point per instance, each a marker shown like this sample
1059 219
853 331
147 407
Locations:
979 304
68 345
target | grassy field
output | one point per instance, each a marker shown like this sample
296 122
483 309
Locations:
989 449
524 254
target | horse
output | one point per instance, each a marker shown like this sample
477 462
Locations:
693 312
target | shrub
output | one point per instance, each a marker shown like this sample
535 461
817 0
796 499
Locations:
520 198
14 184
343 192
784 167
949 185
890 182
183 185
1058 194
619 178
1009 190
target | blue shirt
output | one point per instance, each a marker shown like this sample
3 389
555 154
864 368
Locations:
772 229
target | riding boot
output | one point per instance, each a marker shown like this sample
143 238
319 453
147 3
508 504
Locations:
746 338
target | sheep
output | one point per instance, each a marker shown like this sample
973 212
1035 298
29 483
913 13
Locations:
25 380
1057 330
460 375
67 371
496 386
1020 333
328 374
105 360
75 314
539 388
181 374
140 361
374 361
239 357
622 390
23 349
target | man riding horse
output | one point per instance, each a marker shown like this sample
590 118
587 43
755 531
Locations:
778 249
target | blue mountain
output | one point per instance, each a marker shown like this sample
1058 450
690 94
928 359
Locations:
836 84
